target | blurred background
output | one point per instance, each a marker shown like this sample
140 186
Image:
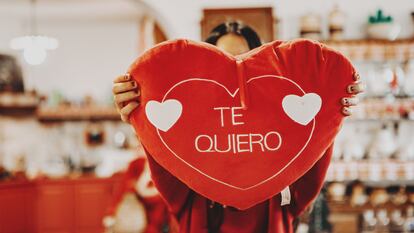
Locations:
68 164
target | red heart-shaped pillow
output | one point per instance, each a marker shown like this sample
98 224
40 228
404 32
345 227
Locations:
238 130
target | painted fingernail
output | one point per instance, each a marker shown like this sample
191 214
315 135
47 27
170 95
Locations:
346 111
349 101
357 77
350 89
355 88
127 76
133 84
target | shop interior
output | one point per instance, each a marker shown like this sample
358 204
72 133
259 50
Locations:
64 150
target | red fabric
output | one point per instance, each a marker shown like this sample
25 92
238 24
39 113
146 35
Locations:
190 208
184 84
156 210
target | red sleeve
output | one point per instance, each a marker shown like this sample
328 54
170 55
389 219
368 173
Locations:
129 178
307 188
172 190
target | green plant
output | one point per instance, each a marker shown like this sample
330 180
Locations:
379 18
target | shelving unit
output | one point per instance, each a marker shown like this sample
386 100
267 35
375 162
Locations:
378 173
345 207
374 109
378 110
63 113
374 50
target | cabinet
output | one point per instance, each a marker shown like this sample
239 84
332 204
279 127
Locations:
55 206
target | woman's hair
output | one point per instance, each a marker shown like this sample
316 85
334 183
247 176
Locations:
237 28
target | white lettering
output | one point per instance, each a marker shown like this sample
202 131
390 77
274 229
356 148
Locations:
221 114
234 115
240 142
279 139
197 143
260 141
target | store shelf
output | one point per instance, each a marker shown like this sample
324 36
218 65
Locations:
346 207
374 50
382 173
71 113
378 120
18 103
395 97
365 41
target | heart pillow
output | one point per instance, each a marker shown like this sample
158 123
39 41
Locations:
238 130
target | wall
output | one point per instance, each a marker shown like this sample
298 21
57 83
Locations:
98 41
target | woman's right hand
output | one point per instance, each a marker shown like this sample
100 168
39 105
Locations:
126 95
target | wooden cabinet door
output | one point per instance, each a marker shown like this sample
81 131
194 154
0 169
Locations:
55 208
15 210
92 200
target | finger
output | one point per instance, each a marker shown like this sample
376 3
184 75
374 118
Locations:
356 88
118 107
129 108
349 101
347 111
122 78
124 87
125 118
356 76
126 96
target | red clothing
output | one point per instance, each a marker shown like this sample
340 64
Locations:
192 209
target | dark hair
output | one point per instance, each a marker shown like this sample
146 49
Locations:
237 28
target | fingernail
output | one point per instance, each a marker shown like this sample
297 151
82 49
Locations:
138 92
346 111
127 76
357 77
356 88
133 83
351 89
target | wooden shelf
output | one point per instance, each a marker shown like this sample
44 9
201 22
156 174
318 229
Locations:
346 207
18 103
369 41
377 173
379 120
63 113
384 110
374 50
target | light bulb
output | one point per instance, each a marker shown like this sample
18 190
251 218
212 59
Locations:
34 55
34 47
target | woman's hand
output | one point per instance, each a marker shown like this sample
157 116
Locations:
354 89
126 93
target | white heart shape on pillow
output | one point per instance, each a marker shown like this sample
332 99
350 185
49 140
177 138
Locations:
302 109
163 115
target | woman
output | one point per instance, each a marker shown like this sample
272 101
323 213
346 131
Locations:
196 213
